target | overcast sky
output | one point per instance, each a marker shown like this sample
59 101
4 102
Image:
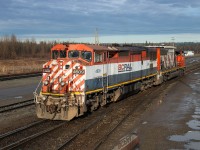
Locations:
116 20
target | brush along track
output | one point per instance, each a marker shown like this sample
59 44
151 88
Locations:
16 105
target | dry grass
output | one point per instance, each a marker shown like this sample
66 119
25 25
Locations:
21 66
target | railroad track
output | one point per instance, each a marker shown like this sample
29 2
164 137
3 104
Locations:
72 139
19 76
15 138
85 128
19 143
113 128
131 111
23 141
6 108
134 109
16 105
4 135
67 142
192 67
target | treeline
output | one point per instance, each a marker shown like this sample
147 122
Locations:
189 46
13 48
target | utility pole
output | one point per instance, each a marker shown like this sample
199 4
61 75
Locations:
172 41
96 37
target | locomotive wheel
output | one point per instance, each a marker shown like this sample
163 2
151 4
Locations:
95 104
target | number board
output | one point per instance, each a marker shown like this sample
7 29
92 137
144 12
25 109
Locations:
78 71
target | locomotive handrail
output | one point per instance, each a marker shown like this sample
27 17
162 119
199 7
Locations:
35 92
38 86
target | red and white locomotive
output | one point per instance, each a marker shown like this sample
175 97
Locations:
81 77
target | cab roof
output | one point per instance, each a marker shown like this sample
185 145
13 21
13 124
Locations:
59 47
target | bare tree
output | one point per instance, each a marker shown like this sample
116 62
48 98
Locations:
12 48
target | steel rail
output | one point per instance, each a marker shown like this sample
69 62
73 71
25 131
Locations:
97 120
192 67
91 124
5 135
31 137
80 132
133 109
17 105
24 140
130 112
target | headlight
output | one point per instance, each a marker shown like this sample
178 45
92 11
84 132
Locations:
46 82
44 98
62 83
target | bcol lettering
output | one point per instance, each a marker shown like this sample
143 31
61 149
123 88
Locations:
124 67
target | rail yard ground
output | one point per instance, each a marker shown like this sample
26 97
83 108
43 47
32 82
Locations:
12 91
164 117
172 122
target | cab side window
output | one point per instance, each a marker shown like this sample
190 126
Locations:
98 57
73 54
63 54
86 55
55 54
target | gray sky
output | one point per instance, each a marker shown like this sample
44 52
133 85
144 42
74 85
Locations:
116 20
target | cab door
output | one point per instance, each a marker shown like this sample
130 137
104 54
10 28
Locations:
105 77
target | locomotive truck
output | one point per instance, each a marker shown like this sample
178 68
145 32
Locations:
81 77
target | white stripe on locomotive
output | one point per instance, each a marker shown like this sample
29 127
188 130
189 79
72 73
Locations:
112 69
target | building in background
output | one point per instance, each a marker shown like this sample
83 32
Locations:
189 53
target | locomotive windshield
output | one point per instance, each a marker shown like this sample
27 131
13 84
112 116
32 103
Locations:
63 54
86 55
55 54
73 54
58 54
